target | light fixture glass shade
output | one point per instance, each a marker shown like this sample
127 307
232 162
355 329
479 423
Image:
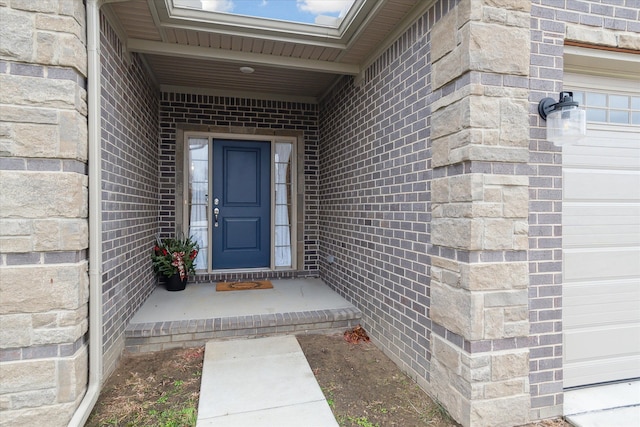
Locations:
566 125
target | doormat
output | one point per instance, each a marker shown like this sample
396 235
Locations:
243 286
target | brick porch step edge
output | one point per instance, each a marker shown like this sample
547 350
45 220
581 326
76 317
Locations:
157 336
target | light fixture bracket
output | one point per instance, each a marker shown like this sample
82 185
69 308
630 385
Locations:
548 105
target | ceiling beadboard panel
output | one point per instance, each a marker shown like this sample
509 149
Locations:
135 17
225 76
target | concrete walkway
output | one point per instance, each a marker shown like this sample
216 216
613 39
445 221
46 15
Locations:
604 406
262 382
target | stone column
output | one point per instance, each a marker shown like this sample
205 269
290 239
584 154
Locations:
43 211
480 137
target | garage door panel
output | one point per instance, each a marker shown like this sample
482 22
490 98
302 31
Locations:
601 213
600 224
600 235
601 303
595 343
604 156
598 185
605 263
600 371
601 253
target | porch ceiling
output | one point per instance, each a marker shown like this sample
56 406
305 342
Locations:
193 51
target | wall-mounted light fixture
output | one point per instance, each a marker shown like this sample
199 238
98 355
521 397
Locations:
566 122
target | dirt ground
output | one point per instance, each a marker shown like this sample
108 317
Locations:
363 387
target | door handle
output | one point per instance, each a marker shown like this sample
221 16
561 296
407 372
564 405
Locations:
216 212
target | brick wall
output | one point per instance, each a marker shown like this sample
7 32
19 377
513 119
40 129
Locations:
43 212
610 23
375 171
129 188
206 113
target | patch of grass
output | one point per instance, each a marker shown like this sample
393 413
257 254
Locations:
362 422
439 411
160 390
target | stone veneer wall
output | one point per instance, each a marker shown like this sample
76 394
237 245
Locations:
424 205
607 23
208 113
130 188
492 329
43 211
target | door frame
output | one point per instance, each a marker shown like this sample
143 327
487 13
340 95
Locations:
182 185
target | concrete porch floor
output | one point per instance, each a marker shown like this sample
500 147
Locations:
200 313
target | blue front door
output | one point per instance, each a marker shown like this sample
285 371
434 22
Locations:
241 204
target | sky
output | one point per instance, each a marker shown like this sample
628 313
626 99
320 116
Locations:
321 12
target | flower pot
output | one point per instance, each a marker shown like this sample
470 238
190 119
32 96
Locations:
174 283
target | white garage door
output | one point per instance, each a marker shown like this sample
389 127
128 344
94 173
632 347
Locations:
601 235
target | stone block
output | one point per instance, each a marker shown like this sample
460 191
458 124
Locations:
495 276
440 190
487 45
446 354
506 180
43 194
450 119
629 41
16 244
505 388
59 24
459 210
45 6
486 153
74 234
485 112
465 188
445 263
16 36
591 35
34 140
59 335
64 50
493 324
462 233
72 376
498 234
13 113
506 17
516 329
449 67
507 298
501 412
445 32
66 287
516 314
39 92
476 368
73 136
31 399
29 375
15 330
521 5
50 415
510 365
514 122
458 310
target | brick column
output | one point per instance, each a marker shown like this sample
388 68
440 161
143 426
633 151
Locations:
480 136
43 211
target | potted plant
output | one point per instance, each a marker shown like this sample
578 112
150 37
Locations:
174 259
